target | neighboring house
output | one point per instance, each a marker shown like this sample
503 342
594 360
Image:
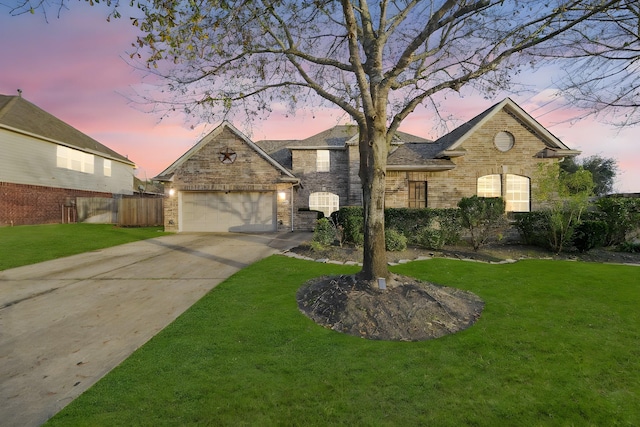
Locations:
46 164
494 154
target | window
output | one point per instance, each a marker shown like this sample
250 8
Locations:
504 141
107 167
517 197
489 186
324 202
417 194
323 164
68 158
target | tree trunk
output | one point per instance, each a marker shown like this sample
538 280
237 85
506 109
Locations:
373 164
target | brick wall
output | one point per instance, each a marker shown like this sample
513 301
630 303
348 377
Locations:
445 189
335 181
32 204
203 171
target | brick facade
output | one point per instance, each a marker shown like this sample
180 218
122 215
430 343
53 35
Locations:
202 170
335 181
446 188
31 204
450 166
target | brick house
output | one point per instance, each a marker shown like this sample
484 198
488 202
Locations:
494 154
46 164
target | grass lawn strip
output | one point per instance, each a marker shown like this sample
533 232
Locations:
557 344
30 244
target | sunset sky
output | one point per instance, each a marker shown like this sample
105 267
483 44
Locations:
74 68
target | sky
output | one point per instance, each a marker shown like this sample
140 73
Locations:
74 67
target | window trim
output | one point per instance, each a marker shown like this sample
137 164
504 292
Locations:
415 201
323 160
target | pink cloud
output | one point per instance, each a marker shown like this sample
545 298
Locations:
73 68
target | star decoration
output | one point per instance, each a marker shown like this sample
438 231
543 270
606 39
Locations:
227 156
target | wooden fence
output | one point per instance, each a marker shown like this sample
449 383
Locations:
140 212
126 212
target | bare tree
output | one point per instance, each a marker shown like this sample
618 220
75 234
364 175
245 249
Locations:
603 75
376 60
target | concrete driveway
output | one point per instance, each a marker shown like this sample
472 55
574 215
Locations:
65 323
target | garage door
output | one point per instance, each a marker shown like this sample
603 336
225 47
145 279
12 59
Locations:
228 212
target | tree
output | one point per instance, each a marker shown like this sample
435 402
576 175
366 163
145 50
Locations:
603 73
564 196
603 171
377 61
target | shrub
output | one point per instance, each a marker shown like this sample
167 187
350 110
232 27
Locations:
394 240
352 222
532 227
483 217
430 238
621 216
589 234
449 223
629 247
324 233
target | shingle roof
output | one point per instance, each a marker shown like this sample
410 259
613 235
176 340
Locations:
417 154
336 137
18 113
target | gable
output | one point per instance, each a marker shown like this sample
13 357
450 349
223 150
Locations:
224 155
552 147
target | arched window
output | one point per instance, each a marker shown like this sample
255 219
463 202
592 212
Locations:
489 186
517 196
324 202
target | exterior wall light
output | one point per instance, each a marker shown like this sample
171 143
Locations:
282 195
172 192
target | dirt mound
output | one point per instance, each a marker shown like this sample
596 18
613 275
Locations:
408 310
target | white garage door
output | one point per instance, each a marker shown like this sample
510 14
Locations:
228 212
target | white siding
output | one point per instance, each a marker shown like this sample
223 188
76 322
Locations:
31 161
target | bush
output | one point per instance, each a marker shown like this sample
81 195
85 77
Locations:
324 233
621 216
394 240
483 217
629 247
430 238
532 227
449 223
589 234
352 222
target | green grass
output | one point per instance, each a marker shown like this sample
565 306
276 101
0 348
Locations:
557 344
30 244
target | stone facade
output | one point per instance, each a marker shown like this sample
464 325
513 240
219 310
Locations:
448 168
482 157
335 181
244 170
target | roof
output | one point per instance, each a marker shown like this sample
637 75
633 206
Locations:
19 115
167 174
452 141
337 137
417 156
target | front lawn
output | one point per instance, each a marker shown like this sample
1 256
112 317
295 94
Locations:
30 244
557 344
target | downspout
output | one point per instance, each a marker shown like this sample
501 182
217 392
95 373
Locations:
292 207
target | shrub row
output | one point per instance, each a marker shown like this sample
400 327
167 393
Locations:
608 223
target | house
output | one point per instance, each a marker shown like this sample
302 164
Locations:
229 183
46 164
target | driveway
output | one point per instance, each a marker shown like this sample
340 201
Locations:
65 323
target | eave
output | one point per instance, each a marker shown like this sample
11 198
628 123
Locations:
553 153
451 153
